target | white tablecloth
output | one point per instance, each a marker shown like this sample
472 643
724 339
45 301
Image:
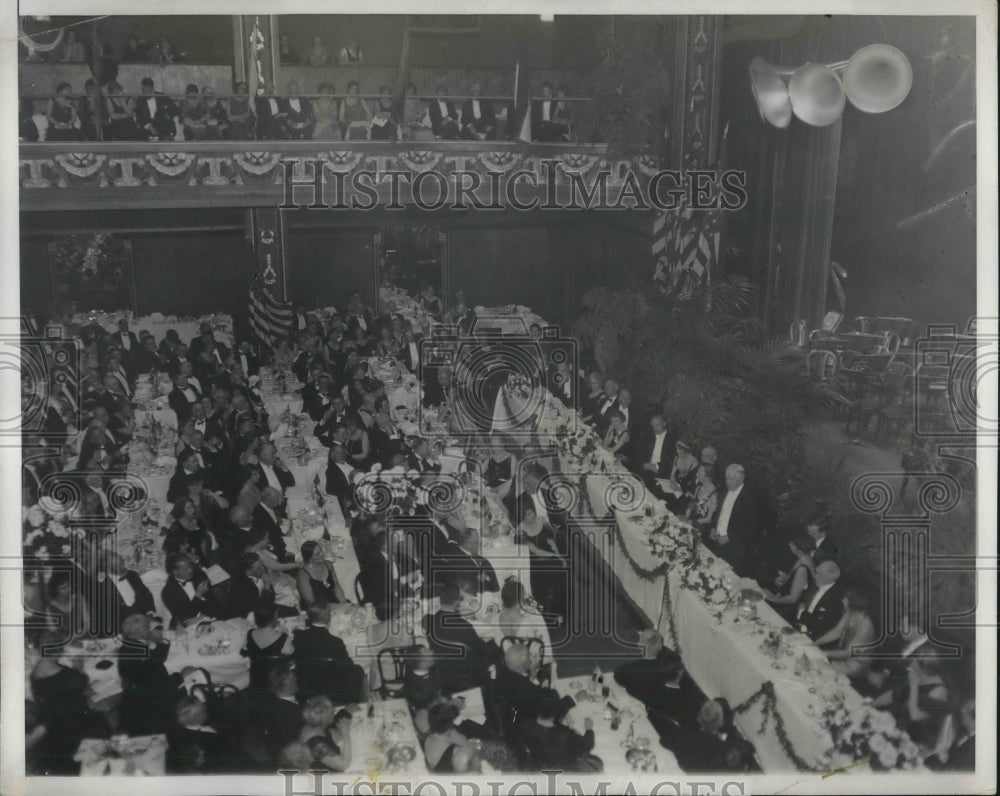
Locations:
609 744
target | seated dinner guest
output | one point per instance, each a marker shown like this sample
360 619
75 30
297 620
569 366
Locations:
855 629
149 691
322 662
447 750
266 646
617 437
794 578
702 748
187 592
478 120
326 732
463 658
316 579
514 685
659 681
554 745
821 607
117 592
194 747
704 502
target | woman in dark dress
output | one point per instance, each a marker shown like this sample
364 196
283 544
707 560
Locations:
239 115
549 576
446 750
929 707
359 446
63 118
316 580
684 474
794 577
120 111
187 534
60 692
265 646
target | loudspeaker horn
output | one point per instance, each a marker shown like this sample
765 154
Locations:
771 93
817 95
878 78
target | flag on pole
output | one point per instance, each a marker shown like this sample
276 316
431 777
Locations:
270 319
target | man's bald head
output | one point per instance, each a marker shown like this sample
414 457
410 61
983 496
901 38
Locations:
517 658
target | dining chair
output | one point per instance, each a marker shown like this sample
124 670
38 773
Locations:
391 663
359 591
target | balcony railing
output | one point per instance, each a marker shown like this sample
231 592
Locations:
134 174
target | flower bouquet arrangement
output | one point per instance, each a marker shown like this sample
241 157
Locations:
519 386
47 531
703 575
870 733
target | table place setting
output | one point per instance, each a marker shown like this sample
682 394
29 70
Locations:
121 755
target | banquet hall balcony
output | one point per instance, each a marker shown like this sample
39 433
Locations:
134 174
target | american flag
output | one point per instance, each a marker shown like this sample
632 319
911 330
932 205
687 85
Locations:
686 248
270 319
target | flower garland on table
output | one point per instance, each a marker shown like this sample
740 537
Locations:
867 732
770 713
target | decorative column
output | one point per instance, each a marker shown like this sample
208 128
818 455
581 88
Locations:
697 69
266 231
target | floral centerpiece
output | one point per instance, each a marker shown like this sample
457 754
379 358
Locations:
47 530
870 733
704 575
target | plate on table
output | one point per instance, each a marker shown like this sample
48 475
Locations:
788 630
641 759
576 685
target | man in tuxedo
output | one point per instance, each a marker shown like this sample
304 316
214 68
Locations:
322 662
514 686
388 575
247 588
358 315
147 358
821 606
206 342
186 593
247 359
181 398
117 592
655 453
194 747
659 681
478 120
544 127
740 529
627 411
149 691
539 499
317 395
420 459
826 547
128 344
270 120
462 658
565 385
267 519
334 416
608 406
409 348
338 477
275 473
444 116
702 748
155 113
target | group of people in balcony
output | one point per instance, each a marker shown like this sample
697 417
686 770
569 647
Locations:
202 116
319 55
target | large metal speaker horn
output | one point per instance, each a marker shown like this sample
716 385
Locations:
771 93
817 95
878 78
